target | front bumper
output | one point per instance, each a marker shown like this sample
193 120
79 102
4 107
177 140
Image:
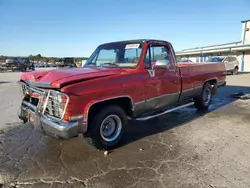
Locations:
58 129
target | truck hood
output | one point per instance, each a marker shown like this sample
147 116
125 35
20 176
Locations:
61 77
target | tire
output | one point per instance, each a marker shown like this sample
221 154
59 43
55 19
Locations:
116 119
203 101
32 67
23 69
235 71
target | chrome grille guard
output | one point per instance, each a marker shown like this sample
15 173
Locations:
46 105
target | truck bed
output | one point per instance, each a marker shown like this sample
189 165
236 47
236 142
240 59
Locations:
203 70
194 75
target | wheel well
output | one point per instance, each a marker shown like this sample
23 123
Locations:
213 83
124 102
237 67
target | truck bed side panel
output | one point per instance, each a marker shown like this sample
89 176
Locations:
196 74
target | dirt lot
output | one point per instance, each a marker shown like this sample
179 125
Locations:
182 149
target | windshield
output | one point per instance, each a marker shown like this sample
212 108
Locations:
119 54
215 59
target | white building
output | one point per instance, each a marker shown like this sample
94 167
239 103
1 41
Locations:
239 49
83 62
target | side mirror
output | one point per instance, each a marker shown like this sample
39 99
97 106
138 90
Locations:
162 64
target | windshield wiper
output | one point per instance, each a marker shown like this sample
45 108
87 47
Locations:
111 64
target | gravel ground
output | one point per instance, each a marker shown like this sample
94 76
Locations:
182 149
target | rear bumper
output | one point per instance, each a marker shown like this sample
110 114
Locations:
58 129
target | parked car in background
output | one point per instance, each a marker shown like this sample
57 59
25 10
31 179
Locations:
67 62
36 64
136 79
20 64
2 65
231 63
52 65
184 60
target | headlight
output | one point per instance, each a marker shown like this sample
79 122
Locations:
60 98
56 104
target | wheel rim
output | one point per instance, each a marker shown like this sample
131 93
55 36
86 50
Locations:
111 128
207 96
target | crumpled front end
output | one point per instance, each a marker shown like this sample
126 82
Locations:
45 109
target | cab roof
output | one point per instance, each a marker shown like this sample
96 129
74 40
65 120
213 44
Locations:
136 41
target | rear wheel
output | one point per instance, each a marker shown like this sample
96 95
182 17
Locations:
107 128
235 71
203 101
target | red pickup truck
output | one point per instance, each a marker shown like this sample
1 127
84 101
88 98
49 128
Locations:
136 79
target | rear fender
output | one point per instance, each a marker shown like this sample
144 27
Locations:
214 83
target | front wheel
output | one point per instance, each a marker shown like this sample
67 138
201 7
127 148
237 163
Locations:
203 101
235 71
107 128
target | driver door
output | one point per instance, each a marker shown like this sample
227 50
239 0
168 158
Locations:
163 85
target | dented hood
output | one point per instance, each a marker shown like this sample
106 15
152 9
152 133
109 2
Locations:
61 77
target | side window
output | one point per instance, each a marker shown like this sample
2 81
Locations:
156 52
159 53
226 59
234 59
131 55
147 61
